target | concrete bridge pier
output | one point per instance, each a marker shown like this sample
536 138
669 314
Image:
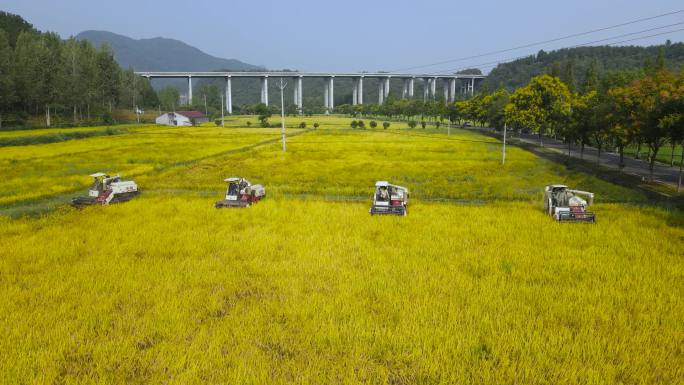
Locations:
326 97
387 87
229 95
264 90
189 90
359 98
300 101
452 90
446 90
410 88
355 91
295 92
426 89
381 91
331 93
433 88
404 90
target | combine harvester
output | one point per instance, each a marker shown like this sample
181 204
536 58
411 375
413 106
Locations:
241 193
107 189
389 199
564 204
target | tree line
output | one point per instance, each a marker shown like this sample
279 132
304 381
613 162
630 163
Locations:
41 74
642 108
571 64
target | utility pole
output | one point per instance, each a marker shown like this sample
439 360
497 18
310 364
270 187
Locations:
223 122
282 112
503 157
206 112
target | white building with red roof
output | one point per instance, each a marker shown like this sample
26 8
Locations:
182 118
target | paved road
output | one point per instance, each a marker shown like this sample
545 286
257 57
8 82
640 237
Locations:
638 167
661 172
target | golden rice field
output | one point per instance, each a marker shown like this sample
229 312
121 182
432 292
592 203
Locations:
61 167
475 286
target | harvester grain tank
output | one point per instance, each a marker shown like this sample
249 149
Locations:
566 205
106 190
389 199
241 193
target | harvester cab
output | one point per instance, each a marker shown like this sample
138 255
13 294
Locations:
107 189
389 199
241 193
566 205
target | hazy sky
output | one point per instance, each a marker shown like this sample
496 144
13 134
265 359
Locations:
355 35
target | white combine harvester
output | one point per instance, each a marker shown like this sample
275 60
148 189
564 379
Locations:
241 193
389 199
107 189
565 205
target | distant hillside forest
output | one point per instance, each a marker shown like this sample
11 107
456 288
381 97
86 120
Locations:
574 62
62 80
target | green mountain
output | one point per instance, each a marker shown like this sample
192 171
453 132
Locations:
161 54
576 61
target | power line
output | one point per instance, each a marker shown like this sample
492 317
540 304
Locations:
543 42
495 63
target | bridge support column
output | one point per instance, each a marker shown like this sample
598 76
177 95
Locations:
472 86
387 87
295 92
410 88
381 91
264 90
331 93
404 90
355 92
433 88
326 98
189 90
452 90
229 96
300 99
446 90
426 89
359 98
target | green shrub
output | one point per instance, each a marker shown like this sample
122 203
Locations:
437 124
412 124
423 124
385 125
362 124
107 119
316 125
373 124
302 125
354 124
249 124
